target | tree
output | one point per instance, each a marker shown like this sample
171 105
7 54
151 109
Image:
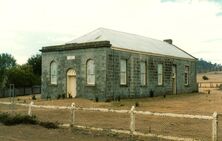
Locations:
7 61
22 76
36 62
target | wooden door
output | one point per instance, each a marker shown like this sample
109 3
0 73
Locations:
174 79
71 83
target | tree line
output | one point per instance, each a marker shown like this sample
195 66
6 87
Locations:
206 66
25 75
29 74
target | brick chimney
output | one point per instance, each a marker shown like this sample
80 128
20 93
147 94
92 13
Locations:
169 41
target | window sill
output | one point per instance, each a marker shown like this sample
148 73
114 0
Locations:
160 85
123 85
143 85
90 85
54 85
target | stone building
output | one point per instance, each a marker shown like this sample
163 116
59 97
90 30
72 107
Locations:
108 64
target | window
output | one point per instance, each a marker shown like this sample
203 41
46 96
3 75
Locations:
53 73
90 72
160 74
186 75
122 72
143 73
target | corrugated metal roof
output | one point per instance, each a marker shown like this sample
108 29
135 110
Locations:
133 42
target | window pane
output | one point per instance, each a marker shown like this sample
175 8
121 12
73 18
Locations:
143 73
123 72
90 72
160 74
123 65
123 78
53 73
186 75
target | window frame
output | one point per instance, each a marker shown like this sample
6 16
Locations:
160 75
53 73
186 75
123 72
143 74
90 73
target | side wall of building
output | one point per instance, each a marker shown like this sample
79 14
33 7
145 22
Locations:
79 65
134 88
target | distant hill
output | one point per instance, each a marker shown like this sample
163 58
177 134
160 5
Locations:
206 66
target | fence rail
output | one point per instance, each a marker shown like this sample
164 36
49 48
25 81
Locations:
209 84
132 113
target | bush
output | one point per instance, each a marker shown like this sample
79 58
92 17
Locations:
118 98
33 97
63 96
48 97
220 87
151 93
49 125
59 96
205 77
137 104
97 99
7 119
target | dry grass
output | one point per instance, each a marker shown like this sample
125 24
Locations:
197 103
213 77
204 104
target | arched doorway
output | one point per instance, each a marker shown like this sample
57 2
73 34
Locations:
71 83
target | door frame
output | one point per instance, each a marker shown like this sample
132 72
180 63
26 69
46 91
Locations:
70 73
174 79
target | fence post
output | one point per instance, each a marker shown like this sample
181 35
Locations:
73 113
215 127
132 119
30 108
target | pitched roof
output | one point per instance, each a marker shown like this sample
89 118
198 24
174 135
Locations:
127 41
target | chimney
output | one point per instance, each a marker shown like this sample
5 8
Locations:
169 41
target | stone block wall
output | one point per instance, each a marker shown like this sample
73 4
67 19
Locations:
134 88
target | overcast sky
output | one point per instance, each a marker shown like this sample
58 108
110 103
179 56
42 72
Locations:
27 25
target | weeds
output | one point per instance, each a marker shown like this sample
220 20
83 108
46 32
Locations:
7 119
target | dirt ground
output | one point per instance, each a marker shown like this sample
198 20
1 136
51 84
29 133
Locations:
37 133
196 103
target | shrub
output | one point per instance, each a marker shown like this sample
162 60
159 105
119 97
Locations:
137 104
48 97
7 119
97 99
59 96
151 93
63 96
118 98
108 100
205 77
49 125
33 97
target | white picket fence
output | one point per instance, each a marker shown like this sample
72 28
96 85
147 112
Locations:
132 113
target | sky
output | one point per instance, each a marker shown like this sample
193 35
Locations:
28 25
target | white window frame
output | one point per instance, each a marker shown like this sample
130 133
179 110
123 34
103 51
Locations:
90 72
143 74
186 75
53 73
123 72
160 74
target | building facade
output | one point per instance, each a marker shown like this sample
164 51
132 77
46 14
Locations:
97 66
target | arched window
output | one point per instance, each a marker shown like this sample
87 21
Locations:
53 72
90 74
